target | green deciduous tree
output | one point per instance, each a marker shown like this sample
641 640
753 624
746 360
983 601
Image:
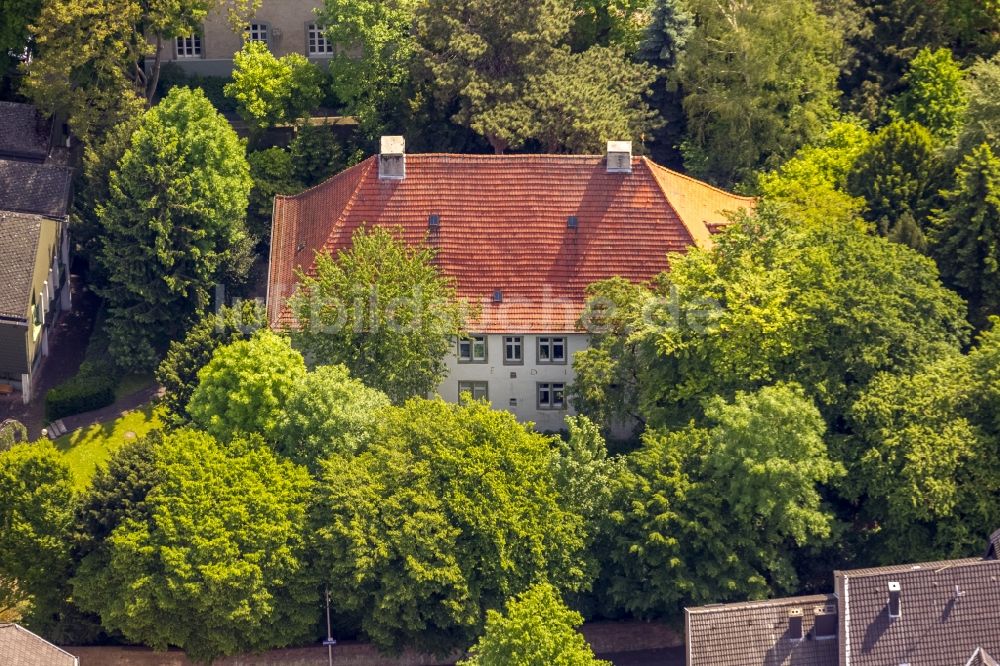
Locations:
609 23
328 412
270 90
511 75
213 559
87 65
370 72
965 233
714 513
928 446
934 95
36 512
759 80
827 306
537 629
245 386
173 225
15 17
812 185
450 511
897 175
382 309
178 372
90 55
317 154
898 29
273 172
982 117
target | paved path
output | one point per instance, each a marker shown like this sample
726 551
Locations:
112 412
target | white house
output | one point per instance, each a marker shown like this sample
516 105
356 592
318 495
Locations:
522 235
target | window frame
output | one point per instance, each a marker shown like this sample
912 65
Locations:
472 341
315 35
193 47
551 388
261 26
470 386
517 340
550 341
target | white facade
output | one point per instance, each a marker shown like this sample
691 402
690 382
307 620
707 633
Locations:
532 389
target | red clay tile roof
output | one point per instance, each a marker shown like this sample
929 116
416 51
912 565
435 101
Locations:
503 226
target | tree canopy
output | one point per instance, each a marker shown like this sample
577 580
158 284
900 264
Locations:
173 224
827 306
755 109
451 510
382 309
536 629
965 233
214 559
36 517
270 90
245 386
714 512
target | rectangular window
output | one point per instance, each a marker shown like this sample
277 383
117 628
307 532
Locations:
551 350
512 345
257 32
189 47
551 395
472 349
318 45
479 390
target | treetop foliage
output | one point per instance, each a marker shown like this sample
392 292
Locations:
450 511
536 629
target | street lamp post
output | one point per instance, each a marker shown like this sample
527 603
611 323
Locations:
329 642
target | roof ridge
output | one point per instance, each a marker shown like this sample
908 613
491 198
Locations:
348 205
696 181
938 565
760 603
332 178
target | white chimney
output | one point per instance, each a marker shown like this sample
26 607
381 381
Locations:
619 157
392 158
895 602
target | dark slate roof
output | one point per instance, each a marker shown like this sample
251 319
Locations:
24 134
20 647
26 187
19 236
756 634
948 610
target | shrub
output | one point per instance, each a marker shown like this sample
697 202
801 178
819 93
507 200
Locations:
91 388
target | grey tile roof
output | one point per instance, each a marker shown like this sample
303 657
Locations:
981 658
757 634
20 647
24 134
19 236
948 609
27 187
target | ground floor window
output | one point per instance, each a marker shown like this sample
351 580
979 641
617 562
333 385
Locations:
479 390
551 395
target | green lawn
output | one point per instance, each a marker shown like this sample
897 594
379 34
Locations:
87 448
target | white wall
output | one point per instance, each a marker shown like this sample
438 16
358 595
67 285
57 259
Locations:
503 387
